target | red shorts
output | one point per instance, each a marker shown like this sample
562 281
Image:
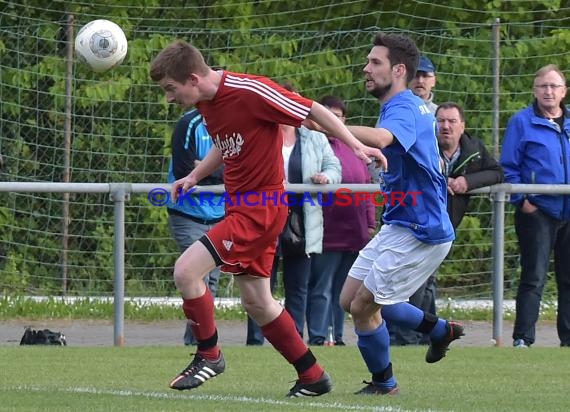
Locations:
245 241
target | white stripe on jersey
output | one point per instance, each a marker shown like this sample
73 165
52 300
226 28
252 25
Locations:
268 93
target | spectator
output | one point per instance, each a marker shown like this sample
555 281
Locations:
243 113
423 298
347 229
467 163
424 81
536 150
404 253
189 221
308 158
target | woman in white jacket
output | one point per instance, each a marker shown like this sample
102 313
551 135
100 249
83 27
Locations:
308 158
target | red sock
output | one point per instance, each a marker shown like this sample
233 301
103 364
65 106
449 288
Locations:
200 311
283 335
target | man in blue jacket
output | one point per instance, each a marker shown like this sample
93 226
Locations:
194 216
536 150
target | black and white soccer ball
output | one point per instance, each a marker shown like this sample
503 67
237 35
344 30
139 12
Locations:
101 44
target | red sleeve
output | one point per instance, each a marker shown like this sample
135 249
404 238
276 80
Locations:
270 101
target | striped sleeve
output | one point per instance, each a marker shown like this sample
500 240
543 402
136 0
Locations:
277 96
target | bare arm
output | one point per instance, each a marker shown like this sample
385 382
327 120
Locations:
372 136
206 167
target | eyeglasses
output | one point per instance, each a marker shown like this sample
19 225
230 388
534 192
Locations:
549 86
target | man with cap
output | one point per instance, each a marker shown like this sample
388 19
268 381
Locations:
424 81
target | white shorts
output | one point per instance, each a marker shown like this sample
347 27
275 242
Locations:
394 264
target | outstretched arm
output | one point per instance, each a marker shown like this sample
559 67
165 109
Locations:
334 127
372 136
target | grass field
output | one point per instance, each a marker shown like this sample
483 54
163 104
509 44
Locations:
37 378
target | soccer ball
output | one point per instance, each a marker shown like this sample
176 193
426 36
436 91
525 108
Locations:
101 44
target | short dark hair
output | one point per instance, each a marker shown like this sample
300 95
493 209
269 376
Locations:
178 61
401 50
451 105
333 102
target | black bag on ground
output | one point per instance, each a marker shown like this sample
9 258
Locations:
42 337
293 236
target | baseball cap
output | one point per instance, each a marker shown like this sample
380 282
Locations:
426 65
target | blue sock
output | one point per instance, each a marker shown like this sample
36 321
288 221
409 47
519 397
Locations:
408 316
374 347
403 314
440 330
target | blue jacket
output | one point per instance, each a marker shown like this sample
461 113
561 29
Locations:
537 151
191 141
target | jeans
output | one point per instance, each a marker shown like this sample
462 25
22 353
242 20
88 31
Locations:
185 232
328 273
254 335
538 234
296 273
424 299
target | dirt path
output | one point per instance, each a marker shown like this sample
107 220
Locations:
101 333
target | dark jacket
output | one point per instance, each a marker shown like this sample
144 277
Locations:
190 142
478 167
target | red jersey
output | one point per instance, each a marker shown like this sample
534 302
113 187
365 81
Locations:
243 120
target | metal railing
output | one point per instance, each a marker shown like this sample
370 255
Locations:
499 195
120 193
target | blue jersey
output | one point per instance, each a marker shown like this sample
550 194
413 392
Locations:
190 142
415 188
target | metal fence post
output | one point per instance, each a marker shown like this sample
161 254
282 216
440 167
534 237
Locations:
499 198
119 193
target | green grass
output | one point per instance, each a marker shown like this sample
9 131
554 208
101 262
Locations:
14 307
257 378
54 308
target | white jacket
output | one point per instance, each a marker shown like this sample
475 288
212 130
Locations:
317 156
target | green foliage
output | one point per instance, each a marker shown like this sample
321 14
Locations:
469 258
17 306
21 307
17 275
121 124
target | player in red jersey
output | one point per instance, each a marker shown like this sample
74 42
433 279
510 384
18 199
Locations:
242 114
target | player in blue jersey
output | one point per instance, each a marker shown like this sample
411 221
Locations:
416 234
